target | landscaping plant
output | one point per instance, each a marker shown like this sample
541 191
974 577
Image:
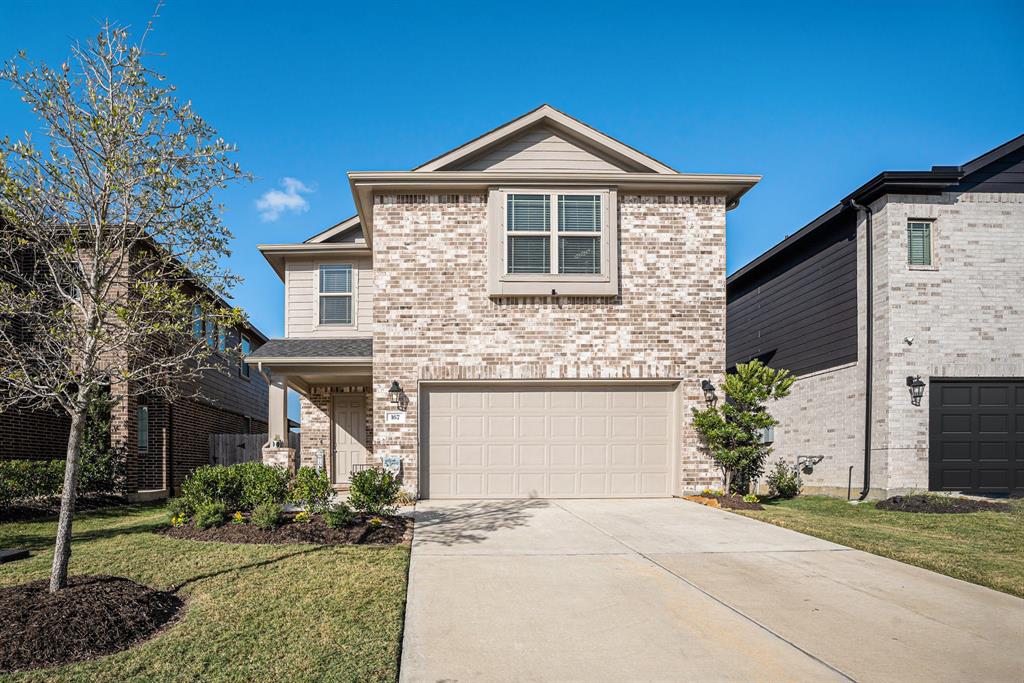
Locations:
113 249
783 481
311 490
374 492
340 516
267 515
212 484
732 432
209 515
260 483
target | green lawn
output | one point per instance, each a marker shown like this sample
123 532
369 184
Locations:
254 612
986 548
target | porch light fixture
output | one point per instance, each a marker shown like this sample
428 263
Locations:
916 389
395 392
709 392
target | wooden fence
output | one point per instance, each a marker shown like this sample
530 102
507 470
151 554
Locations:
228 449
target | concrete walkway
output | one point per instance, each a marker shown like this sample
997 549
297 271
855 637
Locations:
667 590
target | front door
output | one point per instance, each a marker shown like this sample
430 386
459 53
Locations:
349 435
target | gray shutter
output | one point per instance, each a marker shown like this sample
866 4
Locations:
919 243
528 212
529 255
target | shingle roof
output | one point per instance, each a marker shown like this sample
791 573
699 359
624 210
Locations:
314 348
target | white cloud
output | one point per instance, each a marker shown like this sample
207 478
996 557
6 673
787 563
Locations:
275 202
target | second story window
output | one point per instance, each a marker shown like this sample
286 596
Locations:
919 243
197 321
246 349
553 243
335 294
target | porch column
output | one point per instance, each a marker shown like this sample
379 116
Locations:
277 426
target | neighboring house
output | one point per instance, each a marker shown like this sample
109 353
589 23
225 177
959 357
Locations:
946 266
162 442
529 314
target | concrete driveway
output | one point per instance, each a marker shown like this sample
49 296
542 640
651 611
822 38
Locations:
668 590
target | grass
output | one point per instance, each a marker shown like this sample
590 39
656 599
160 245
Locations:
986 548
254 612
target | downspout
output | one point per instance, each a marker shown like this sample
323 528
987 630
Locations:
869 351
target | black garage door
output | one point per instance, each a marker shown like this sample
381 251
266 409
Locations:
976 435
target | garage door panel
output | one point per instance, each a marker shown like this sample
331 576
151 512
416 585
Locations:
976 435
507 442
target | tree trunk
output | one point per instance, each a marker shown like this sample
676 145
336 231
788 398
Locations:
72 468
728 480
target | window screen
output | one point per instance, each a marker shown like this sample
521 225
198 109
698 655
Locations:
919 243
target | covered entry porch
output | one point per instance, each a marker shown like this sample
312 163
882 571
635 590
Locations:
333 379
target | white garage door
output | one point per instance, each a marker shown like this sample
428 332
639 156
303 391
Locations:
545 442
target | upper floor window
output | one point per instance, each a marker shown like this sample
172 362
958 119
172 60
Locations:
246 349
549 243
197 321
919 243
336 294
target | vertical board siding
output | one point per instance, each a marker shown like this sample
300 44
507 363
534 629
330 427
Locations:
800 311
302 298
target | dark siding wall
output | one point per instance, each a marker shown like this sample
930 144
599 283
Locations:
800 311
1003 175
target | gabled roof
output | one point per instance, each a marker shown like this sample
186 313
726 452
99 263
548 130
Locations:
350 223
546 115
939 179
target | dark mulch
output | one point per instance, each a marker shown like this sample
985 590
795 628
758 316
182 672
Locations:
391 531
736 502
34 509
92 617
940 504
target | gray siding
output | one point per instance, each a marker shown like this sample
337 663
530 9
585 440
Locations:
799 313
541 149
1002 175
302 302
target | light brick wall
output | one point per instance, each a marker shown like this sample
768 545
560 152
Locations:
967 320
433 319
315 411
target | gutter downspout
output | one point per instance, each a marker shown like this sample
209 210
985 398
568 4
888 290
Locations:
869 334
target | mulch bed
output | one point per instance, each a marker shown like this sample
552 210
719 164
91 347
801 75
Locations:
92 617
34 509
729 502
940 504
393 530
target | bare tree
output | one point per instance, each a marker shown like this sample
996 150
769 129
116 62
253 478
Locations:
111 242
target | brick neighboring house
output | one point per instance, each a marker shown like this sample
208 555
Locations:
530 314
947 310
162 441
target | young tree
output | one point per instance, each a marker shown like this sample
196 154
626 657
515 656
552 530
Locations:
110 243
733 432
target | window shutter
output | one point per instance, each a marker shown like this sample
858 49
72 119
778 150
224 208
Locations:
919 243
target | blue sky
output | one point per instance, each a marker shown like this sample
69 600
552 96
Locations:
816 97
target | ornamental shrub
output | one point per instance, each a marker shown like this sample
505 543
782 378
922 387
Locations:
267 515
311 490
209 515
340 516
374 492
260 483
211 484
783 481
29 479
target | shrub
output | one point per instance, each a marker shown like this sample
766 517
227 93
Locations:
303 517
237 518
783 481
29 479
212 484
405 498
179 507
209 515
340 516
374 492
311 490
751 498
267 515
260 483
712 493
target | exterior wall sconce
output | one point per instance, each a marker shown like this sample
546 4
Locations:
709 392
916 389
395 392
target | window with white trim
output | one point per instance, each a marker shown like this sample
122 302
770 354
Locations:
336 298
919 243
553 242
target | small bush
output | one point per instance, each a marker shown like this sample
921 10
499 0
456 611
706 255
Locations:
29 479
783 481
374 492
237 518
751 498
179 506
712 493
340 516
260 483
212 484
267 515
209 515
311 490
303 517
405 498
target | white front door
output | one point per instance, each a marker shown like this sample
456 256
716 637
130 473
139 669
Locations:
349 435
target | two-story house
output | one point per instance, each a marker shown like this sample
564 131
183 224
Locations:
901 310
528 315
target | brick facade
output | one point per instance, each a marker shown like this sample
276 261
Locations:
316 425
433 319
33 434
964 313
